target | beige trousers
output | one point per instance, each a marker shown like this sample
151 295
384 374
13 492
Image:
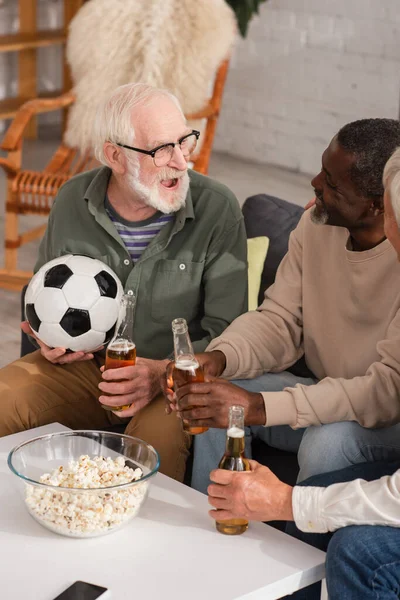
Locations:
34 392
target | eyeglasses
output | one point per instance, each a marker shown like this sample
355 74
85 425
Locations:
163 154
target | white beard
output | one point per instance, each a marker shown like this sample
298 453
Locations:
151 196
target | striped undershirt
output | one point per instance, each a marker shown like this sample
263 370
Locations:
137 235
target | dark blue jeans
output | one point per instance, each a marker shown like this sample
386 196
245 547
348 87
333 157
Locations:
362 561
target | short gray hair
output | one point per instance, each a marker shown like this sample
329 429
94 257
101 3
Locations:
391 182
113 120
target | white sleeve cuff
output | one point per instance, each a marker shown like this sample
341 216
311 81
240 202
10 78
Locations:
306 506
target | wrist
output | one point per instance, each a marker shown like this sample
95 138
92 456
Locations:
287 504
161 366
256 413
219 360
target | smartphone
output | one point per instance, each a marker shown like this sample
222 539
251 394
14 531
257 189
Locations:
80 590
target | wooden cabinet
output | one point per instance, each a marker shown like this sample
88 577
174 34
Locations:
25 42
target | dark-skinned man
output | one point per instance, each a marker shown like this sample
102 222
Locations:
336 300
353 513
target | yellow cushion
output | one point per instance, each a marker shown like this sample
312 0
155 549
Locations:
256 253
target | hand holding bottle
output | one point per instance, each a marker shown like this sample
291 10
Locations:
257 495
207 404
132 386
212 364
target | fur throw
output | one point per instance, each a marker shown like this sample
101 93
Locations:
173 44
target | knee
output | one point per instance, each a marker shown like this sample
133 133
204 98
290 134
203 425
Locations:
333 445
347 548
14 409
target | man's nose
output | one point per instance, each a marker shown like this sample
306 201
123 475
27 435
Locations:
316 181
177 159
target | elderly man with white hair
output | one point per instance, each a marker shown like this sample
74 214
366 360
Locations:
361 503
175 238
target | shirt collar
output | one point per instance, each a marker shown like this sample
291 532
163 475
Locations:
97 190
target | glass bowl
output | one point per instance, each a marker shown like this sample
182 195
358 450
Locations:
75 511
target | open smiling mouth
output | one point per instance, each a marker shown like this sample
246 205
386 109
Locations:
170 184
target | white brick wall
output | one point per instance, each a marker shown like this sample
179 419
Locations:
306 68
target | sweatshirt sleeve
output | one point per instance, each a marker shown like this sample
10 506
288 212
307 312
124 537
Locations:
373 399
358 502
270 338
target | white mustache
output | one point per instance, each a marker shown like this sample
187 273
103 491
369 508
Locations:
170 174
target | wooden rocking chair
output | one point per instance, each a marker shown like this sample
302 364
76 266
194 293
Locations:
33 192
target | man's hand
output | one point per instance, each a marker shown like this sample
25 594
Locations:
207 404
256 495
136 386
213 364
57 356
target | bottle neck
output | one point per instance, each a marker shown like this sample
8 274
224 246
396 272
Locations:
234 445
235 438
125 322
183 349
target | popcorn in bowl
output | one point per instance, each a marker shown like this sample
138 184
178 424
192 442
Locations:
83 483
85 514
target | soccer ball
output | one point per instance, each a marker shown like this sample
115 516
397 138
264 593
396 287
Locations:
73 302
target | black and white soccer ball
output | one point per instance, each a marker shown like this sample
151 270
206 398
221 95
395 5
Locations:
73 302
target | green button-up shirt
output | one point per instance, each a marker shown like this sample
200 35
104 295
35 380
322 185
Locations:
195 268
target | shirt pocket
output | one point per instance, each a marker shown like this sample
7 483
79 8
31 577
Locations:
176 290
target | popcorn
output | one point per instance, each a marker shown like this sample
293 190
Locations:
86 514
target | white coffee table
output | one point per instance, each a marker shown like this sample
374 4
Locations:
170 552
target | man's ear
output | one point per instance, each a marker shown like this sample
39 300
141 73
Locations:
377 206
115 158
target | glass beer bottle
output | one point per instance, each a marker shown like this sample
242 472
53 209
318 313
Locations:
186 368
234 460
121 351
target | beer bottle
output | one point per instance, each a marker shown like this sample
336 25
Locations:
186 368
121 351
234 460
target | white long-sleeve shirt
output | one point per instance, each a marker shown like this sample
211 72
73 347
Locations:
358 502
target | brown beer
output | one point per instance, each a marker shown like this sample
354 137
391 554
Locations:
188 371
234 460
119 355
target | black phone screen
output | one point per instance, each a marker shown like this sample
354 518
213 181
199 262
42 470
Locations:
80 590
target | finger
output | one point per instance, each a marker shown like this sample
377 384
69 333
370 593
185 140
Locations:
194 413
131 410
217 490
220 503
169 375
169 403
116 388
51 354
26 328
254 465
194 400
122 373
68 357
221 515
120 400
221 476
194 388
